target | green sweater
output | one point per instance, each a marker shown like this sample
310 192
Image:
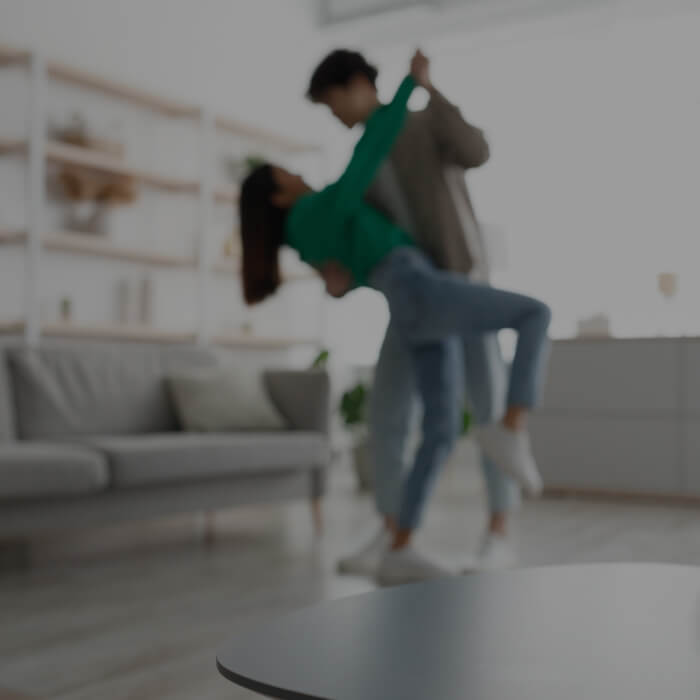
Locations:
336 224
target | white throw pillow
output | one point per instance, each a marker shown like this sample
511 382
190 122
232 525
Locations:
224 399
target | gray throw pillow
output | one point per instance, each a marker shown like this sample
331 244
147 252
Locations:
223 399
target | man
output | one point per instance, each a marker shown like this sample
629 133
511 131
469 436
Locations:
421 187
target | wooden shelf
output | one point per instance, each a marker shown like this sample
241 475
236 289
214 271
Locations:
248 340
249 131
88 244
301 276
66 154
232 269
157 103
11 146
141 98
147 334
115 332
226 195
11 327
13 57
12 237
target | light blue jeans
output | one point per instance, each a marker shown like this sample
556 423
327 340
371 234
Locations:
477 380
432 311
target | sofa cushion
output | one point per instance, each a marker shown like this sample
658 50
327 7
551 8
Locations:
71 390
42 470
223 399
156 459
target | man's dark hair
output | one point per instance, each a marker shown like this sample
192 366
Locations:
337 70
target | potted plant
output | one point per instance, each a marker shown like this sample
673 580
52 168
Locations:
353 410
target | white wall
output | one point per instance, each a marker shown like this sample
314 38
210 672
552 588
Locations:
244 57
592 118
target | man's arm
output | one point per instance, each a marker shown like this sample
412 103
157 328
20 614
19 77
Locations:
460 143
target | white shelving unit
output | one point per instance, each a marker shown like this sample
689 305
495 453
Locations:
38 151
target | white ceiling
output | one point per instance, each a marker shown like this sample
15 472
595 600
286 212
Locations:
371 20
342 10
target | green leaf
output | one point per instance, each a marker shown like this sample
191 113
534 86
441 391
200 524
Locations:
353 405
466 422
321 360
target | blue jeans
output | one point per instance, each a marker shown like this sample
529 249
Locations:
429 307
477 367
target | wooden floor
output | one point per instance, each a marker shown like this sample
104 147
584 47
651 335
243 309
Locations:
144 620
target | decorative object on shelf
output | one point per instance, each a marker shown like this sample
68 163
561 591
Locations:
66 310
132 302
77 133
122 301
667 284
89 192
86 217
146 301
232 245
596 326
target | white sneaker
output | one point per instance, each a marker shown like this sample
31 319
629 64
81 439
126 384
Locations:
511 451
406 565
365 562
496 553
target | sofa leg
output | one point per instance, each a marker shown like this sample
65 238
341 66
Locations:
317 515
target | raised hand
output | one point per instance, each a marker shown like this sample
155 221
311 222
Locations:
420 69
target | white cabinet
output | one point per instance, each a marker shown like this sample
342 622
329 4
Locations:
609 454
621 416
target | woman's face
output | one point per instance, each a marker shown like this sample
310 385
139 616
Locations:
290 187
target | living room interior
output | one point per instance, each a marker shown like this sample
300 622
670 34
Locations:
179 469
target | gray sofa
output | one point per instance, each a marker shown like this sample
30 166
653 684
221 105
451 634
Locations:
88 436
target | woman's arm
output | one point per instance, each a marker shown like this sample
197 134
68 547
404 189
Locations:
380 134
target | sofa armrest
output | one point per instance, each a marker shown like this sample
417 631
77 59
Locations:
303 397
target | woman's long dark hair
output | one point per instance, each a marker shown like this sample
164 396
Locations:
262 235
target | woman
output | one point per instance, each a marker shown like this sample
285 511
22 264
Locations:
353 245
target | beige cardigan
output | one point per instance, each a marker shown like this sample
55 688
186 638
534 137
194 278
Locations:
434 148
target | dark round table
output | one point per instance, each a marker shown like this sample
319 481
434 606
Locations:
600 632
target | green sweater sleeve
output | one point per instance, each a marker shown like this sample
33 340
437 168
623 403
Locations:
377 141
